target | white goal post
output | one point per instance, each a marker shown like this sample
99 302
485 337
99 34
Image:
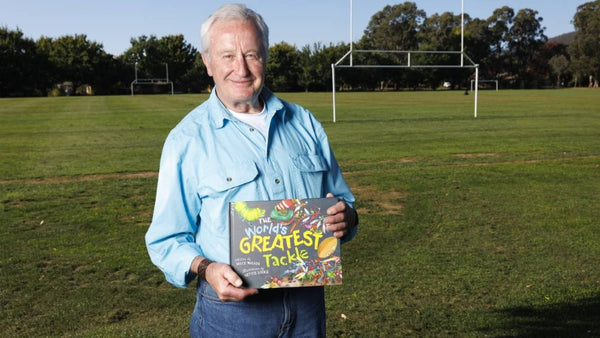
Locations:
409 63
480 81
164 81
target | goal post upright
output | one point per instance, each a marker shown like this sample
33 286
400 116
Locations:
333 89
462 32
409 64
351 32
476 90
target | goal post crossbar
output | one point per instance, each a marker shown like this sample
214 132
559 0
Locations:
480 81
151 81
408 53
405 66
165 82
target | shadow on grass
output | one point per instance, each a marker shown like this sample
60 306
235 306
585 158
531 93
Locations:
579 318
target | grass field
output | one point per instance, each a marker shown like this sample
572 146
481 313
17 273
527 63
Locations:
469 227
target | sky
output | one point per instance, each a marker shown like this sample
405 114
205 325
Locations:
113 23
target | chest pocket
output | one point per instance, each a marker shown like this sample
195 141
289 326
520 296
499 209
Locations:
310 163
229 177
309 178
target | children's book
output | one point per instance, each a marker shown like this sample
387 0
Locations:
284 243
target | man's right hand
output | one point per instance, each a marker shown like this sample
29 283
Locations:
226 283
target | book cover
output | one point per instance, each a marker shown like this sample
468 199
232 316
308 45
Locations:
284 243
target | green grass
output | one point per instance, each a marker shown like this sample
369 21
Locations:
469 227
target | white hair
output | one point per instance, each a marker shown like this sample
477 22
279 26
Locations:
234 12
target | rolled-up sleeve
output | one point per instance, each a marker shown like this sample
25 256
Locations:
170 239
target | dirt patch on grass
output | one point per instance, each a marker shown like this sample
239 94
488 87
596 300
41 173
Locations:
372 201
391 204
476 155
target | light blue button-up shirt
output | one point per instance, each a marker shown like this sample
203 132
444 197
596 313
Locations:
210 159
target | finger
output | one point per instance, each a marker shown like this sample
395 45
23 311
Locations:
340 234
339 226
335 218
339 230
230 276
230 293
237 294
339 207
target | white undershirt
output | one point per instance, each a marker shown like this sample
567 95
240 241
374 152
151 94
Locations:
256 121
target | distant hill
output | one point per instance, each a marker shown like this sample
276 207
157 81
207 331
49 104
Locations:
564 39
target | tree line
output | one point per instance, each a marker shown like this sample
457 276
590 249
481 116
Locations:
509 46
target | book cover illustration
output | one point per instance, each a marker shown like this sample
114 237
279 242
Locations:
284 243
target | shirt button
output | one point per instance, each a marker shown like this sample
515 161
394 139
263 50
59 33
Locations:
228 179
251 129
277 181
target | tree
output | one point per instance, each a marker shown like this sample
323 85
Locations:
526 40
586 44
305 79
499 24
20 65
144 58
316 64
75 58
554 49
559 64
441 32
478 42
314 68
394 28
179 55
196 79
283 68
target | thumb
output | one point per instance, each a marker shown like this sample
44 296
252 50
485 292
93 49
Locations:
233 278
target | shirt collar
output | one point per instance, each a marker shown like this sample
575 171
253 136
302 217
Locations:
218 112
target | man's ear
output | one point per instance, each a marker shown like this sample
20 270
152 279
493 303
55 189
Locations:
206 61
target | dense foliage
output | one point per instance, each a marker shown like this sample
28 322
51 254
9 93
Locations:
510 47
585 46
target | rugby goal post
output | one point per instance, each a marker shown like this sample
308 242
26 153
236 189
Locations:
482 81
164 81
409 63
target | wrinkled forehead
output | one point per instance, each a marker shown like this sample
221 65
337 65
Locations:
239 33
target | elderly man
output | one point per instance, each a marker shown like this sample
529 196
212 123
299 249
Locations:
242 144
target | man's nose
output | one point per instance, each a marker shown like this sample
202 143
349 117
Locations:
241 66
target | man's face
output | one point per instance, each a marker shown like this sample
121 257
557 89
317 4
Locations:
236 64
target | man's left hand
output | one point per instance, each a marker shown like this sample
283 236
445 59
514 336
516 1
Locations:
341 218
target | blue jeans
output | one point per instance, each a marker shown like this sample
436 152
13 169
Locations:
289 312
